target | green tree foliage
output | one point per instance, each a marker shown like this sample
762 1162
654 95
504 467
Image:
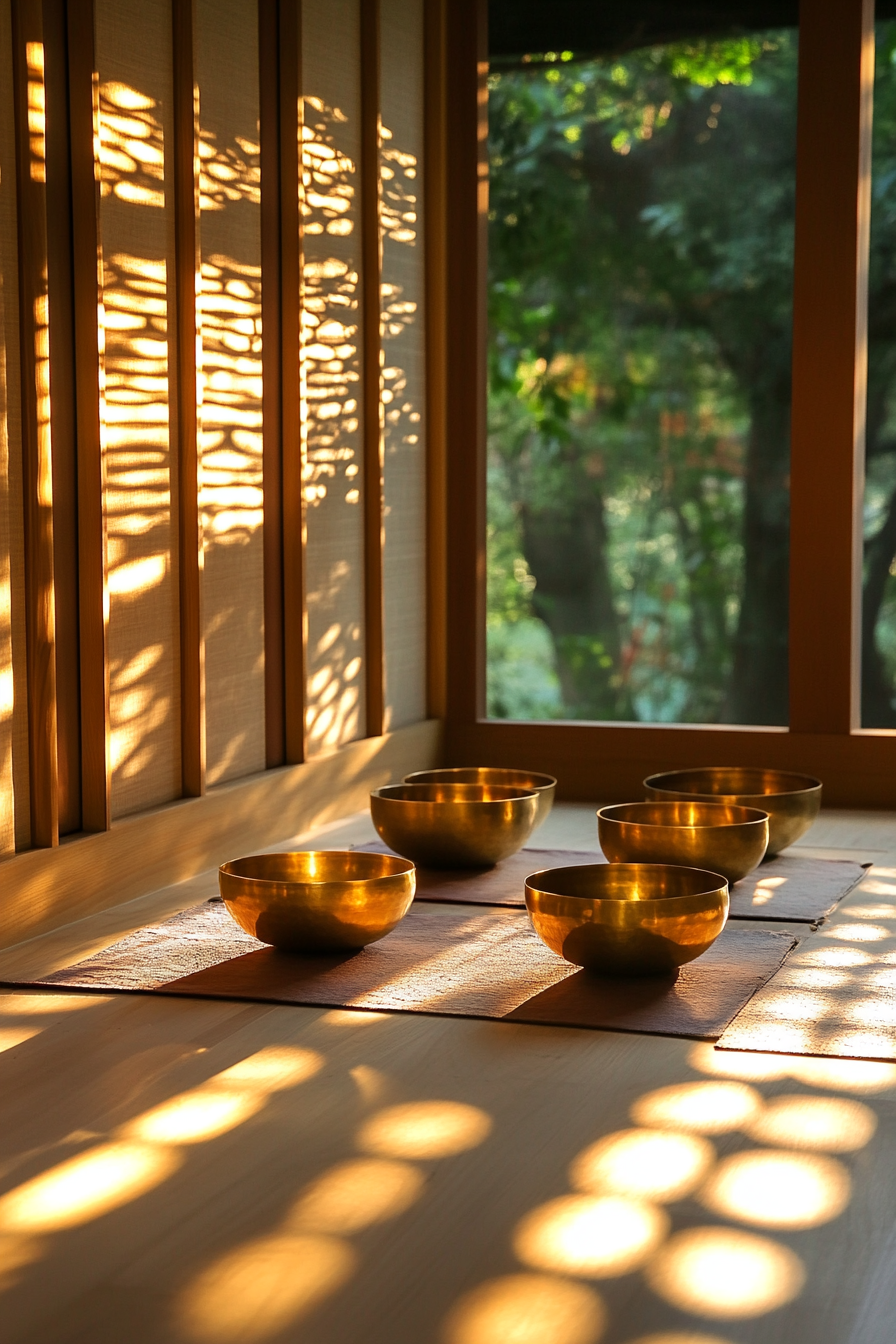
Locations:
641 255
640 274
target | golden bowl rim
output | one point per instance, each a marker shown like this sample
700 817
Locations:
813 783
400 871
759 816
549 780
512 795
721 887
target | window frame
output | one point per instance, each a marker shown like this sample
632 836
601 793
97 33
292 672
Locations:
824 736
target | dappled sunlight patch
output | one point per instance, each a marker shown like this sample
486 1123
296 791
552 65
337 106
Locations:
826 1124
345 1017
725 1274
356 1194
255 1291
526 1309
273 1069
643 1164
86 1187
194 1117
595 1238
13 1036
845 1075
425 1129
778 1189
34 1005
857 933
831 956
702 1108
742 1064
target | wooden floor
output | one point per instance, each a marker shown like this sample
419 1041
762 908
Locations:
189 1172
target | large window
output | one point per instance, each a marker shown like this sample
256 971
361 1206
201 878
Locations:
641 220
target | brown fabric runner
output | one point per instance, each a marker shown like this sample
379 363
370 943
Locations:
441 959
786 888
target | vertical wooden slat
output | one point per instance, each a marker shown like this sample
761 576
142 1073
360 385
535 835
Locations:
467 223
60 284
271 327
372 263
836 73
87 290
435 201
291 277
186 216
38 466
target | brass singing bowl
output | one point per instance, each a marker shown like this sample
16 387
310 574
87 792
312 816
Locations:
454 825
627 919
791 801
318 900
544 785
719 836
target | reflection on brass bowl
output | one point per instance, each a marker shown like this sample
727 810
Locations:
318 900
627 919
544 785
791 801
718 836
454 825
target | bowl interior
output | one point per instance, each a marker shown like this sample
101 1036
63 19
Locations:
699 816
453 793
311 867
625 881
483 774
733 780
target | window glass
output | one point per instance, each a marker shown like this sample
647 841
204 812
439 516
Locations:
640 278
879 578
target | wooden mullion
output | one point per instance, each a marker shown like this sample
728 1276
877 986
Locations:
60 284
271 326
435 248
36 437
93 602
836 73
465 338
373 431
292 399
188 341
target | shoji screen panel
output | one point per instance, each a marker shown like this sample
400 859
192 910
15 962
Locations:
332 372
404 361
14 810
134 58
231 485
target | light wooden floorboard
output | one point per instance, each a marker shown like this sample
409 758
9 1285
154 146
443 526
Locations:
219 1246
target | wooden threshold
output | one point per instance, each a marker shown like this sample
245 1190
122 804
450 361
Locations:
44 889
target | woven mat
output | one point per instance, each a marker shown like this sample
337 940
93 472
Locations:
832 998
441 959
790 888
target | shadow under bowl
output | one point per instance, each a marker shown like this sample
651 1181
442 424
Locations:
716 836
792 801
544 785
318 900
454 825
627 919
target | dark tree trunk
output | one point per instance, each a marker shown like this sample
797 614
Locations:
566 552
759 691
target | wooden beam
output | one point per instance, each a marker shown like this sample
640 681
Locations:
435 244
31 175
608 762
271 327
466 171
169 844
836 76
93 601
189 338
374 439
292 403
